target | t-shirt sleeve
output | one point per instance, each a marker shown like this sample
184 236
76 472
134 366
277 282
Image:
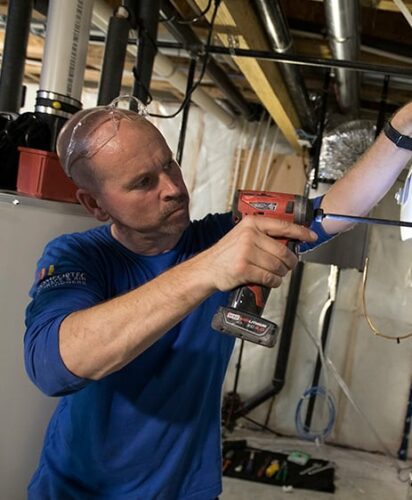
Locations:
323 236
66 281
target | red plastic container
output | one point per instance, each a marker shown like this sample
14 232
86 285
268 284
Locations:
41 175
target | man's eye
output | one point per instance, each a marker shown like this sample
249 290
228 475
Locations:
143 183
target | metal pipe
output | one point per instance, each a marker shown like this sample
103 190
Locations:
342 19
186 109
274 20
14 54
185 34
114 56
267 55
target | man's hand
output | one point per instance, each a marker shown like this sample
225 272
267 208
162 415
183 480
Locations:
252 253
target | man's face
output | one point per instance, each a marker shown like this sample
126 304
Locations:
141 186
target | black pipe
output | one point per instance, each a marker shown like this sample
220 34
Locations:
183 126
380 122
14 54
315 153
403 449
114 56
284 347
267 55
185 34
318 365
148 19
41 6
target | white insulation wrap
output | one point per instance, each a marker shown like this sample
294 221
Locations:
65 51
342 146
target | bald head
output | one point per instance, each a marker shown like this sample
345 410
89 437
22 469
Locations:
86 133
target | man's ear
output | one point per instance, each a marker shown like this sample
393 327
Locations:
92 205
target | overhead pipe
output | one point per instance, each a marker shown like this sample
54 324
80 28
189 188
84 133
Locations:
14 54
147 14
64 62
114 56
185 113
275 23
317 62
164 67
342 20
185 34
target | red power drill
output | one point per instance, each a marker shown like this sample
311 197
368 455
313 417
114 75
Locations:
242 317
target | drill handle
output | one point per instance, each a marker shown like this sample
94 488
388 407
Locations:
250 298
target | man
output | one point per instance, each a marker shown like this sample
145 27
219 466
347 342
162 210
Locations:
121 328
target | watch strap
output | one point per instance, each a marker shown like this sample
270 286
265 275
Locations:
402 141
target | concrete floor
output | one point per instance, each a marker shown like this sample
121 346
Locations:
357 474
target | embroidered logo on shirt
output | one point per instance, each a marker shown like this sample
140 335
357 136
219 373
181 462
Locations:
63 279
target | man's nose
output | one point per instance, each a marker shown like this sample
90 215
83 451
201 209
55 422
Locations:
170 187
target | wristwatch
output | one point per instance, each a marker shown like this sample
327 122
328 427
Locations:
402 141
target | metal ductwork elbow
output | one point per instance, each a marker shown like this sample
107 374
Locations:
275 23
342 19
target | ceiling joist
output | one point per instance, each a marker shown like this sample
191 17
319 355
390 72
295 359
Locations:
264 77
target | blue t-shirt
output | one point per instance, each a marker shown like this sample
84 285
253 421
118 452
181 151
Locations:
152 429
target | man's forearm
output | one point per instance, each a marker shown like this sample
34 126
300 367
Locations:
367 182
97 341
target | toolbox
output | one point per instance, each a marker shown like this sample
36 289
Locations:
41 175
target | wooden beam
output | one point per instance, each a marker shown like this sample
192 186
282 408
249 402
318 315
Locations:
263 76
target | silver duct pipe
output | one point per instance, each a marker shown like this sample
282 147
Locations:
342 19
274 20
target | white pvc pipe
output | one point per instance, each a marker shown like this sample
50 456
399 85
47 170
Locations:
164 67
65 51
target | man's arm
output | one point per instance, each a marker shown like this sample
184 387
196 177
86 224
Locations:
367 182
102 339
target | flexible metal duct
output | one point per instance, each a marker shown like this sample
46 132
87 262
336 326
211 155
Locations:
277 29
342 18
342 146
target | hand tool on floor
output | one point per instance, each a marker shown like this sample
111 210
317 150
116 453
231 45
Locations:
242 317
